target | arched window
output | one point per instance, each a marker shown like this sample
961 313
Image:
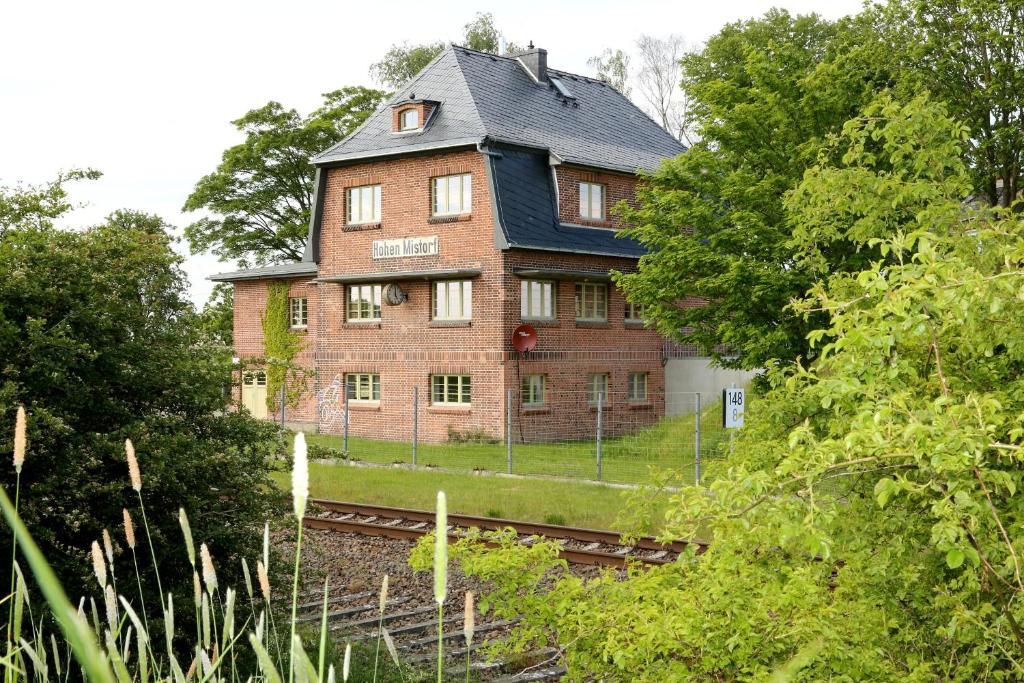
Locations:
409 120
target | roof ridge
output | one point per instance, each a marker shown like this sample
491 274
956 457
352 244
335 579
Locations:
389 103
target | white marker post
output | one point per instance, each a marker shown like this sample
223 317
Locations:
733 403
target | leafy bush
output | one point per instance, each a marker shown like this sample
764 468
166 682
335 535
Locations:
97 341
868 525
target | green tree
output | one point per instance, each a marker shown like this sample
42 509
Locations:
869 525
612 67
402 62
971 54
99 343
260 196
766 94
217 319
39 205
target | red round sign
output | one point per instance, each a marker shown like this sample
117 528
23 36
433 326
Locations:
524 338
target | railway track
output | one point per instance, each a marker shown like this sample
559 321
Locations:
579 546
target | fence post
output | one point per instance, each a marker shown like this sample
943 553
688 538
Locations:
696 476
508 429
344 443
600 414
415 420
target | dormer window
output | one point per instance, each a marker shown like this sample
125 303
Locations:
409 119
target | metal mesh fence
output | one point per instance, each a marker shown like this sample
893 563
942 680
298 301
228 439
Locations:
621 437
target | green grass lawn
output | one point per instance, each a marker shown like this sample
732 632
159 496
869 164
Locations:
625 459
578 504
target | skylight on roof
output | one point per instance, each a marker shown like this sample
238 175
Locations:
562 90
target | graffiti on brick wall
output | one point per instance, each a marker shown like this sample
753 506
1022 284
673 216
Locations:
329 404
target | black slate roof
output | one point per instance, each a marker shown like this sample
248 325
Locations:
491 98
527 213
278 271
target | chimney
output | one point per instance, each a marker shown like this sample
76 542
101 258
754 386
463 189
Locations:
536 61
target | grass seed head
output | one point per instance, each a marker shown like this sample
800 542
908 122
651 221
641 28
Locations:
266 544
468 619
129 528
348 660
108 548
383 593
247 577
261 575
300 476
20 431
209 574
197 588
111 604
330 674
186 530
441 549
133 466
99 567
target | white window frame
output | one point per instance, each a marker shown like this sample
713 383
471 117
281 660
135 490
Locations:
442 191
535 297
402 124
443 307
463 390
634 313
298 305
357 210
256 378
374 292
589 203
593 315
534 389
637 381
597 382
362 387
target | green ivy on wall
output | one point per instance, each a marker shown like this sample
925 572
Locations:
281 345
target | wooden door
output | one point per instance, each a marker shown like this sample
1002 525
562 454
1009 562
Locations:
254 393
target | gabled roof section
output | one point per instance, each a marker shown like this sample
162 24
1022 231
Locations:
491 98
527 216
456 123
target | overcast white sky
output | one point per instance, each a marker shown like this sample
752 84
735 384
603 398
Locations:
145 92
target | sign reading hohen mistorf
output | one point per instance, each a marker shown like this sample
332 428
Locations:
407 247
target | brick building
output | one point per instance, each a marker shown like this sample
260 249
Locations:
478 199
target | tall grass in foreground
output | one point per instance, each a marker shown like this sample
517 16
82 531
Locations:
232 642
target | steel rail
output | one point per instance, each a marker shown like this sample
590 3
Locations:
574 555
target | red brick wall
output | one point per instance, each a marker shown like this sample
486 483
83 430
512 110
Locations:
405 347
250 306
567 351
618 186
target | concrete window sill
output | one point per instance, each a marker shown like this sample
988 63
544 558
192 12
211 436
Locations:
540 323
604 409
450 410
640 405
364 406
450 323
635 324
588 323
354 324
302 328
